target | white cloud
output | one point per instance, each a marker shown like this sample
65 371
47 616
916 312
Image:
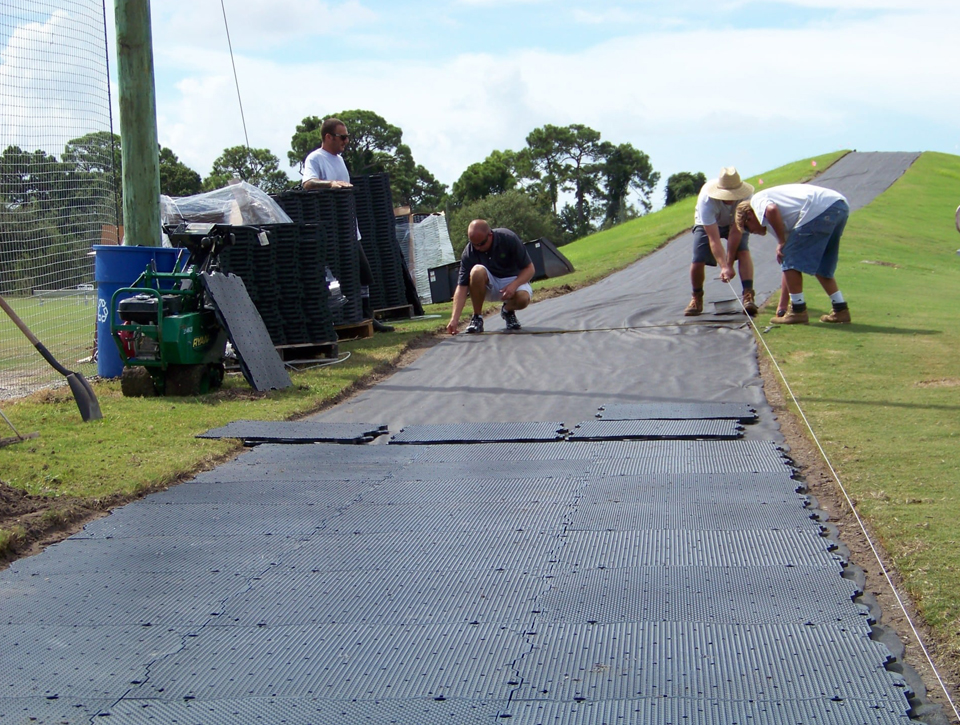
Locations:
788 93
51 73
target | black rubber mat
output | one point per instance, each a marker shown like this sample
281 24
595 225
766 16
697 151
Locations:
258 358
678 411
480 433
616 430
299 431
493 578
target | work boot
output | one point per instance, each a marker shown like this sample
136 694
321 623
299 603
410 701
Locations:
837 316
510 317
696 305
749 302
792 317
380 327
475 326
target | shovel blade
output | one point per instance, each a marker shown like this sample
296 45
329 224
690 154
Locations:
86 399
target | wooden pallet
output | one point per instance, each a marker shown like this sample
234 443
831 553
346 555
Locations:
403 312
355 331
308 351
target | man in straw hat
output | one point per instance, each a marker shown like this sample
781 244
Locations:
808 222
712 222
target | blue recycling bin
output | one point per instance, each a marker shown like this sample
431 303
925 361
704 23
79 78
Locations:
116 267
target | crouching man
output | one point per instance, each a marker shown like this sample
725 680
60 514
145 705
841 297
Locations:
494 266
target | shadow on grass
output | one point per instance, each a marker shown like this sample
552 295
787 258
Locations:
875 329
880 404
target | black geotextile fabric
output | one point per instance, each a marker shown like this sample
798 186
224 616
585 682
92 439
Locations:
567 581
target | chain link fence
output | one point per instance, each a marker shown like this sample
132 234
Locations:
59 183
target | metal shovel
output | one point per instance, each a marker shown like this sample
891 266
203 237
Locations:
82 390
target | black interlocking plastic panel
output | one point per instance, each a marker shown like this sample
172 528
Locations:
340 661
258 358
522 432
613 430
408 487
743 412
758 663
182 599
89 664
431 710
553 581
299 431
389 597
745 595
697 711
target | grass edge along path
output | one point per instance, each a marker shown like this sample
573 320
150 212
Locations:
883 394
49 485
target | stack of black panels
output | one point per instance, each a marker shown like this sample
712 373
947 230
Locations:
286 280
327 219
378 232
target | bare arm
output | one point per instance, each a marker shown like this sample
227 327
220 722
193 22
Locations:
772 214
459 302
716 248
310 184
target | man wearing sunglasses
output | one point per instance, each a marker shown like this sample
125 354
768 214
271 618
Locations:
494 266
324 168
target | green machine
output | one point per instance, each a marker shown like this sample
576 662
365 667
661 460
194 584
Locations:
167 328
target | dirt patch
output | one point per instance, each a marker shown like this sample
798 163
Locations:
939 383
822 485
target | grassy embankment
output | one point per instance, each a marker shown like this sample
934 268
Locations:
883 394
145 444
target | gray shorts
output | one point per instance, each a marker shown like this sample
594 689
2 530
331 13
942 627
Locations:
701 245
495 284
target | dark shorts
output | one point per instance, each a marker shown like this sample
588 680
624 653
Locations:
701 245
814 247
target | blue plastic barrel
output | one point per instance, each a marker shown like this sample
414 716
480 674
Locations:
117 267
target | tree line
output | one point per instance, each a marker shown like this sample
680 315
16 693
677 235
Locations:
565 183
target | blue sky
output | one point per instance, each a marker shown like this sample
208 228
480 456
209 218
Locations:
696 85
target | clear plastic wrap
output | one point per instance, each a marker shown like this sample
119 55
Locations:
239 203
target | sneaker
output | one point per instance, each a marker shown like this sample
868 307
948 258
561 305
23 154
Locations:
791 317
475 326
695 307
837 316
749 302
510 317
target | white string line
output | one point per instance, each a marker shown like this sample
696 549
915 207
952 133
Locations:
853 510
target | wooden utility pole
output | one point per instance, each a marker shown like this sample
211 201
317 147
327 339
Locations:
138 124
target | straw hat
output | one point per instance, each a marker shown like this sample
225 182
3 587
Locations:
729 187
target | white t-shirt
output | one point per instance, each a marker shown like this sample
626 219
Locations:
712 211
325 166
798 203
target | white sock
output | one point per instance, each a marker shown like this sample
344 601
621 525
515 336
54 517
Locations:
837 297
796 299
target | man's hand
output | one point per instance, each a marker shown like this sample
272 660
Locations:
780 253
727 273
341 185
509 291
452 326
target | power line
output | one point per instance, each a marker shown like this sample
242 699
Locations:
235 79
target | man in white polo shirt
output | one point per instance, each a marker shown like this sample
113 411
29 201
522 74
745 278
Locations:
808 222
324 168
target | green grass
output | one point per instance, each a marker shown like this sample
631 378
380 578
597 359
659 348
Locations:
883 394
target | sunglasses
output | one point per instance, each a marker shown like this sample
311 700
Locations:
341 136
